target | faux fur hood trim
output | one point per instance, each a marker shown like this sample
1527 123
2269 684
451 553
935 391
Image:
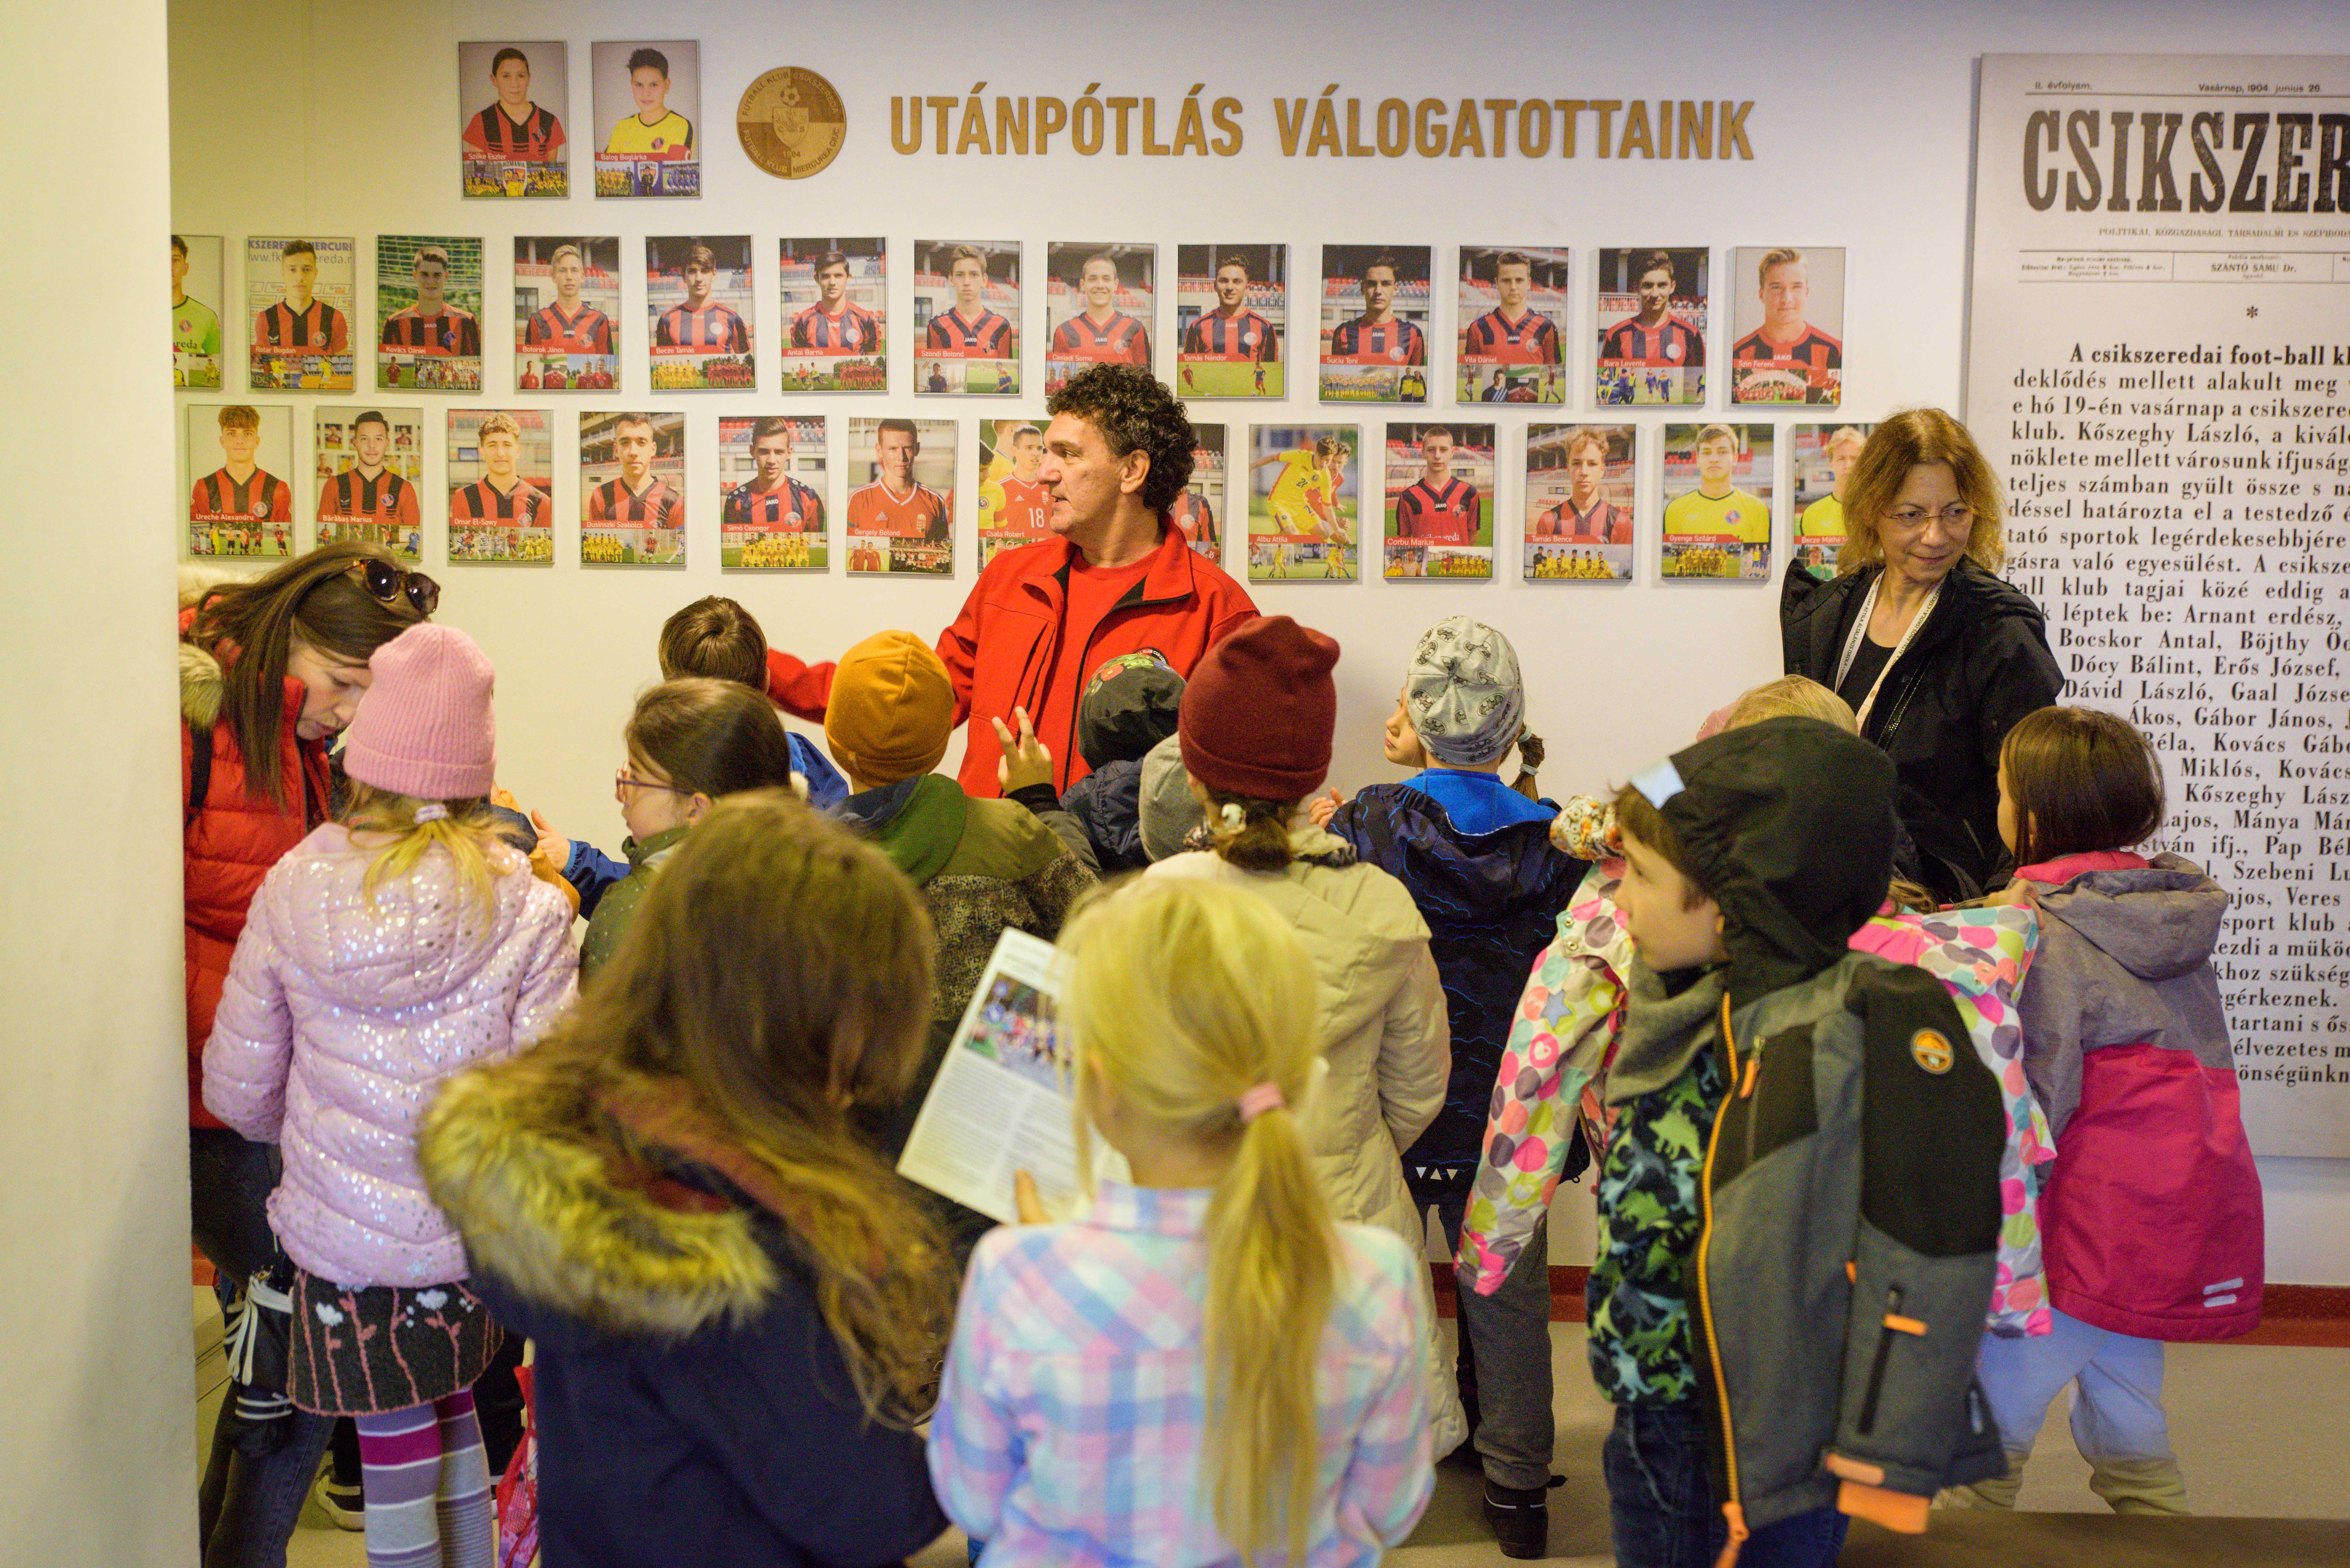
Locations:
201 683
548 1203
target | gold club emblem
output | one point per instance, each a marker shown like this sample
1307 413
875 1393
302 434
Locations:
791 123
1931 1051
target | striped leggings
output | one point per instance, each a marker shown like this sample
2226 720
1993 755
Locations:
427 1487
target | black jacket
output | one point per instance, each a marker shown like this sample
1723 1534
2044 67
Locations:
1979 664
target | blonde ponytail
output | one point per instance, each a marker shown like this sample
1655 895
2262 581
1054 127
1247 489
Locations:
1182 1056
464 830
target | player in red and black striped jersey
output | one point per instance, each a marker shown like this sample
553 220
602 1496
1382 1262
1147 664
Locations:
1191 516
970 330
1378 336
772 500
367 493
836 324
300 321
502 495
569 326
1436 505
1512 332
433 325
702 323
1655 336
1232 331
1101 333
514 129
634 495
239 491
1586 516
1785 340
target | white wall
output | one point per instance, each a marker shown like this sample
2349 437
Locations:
1862 139
96 1458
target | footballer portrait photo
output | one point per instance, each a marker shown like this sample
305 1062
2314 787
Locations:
366 465
511 99
1578 504
1375 324
1652 314
428 308
1014 504
1304 503
632 490
1232 310
1718 501
1789 318
1821 457
237 458
195 310
967 317
1100 307
771 494
566 293
1512 313
1198 511
1439 514
501 484
901 508
836 295
698 297
648 118
298 293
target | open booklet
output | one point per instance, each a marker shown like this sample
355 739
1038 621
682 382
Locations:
1001 1102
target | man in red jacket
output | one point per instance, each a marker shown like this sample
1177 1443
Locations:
1114 579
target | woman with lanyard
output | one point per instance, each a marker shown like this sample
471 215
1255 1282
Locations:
1937 656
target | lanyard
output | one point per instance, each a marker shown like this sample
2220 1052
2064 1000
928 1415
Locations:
1860 630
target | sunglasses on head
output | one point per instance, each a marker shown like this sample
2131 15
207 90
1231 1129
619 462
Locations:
388 583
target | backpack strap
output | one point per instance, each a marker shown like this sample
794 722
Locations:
200 772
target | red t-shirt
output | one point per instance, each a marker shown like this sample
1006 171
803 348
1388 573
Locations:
1091 592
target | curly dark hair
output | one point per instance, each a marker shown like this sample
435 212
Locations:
1135 411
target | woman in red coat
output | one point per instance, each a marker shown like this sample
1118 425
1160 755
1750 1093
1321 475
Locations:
270 668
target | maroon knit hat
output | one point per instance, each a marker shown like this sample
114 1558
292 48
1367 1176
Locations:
1257 716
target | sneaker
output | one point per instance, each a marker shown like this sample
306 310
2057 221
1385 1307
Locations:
345 1502
1520 1518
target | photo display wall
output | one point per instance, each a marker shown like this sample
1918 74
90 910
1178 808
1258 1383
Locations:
588 373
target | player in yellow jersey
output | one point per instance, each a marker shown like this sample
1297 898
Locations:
655 131
1303 499
1717 507
1821 528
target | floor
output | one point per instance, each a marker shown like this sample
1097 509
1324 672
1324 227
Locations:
2263 1433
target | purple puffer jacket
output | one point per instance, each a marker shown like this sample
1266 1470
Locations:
340 1023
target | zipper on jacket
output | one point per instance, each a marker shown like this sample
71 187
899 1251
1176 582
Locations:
1732 1510
1894 1324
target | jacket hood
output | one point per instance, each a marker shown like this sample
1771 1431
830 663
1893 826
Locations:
330 920
550 1205
1491 877
201 683
2157 922
917 822
1790 822
1128 707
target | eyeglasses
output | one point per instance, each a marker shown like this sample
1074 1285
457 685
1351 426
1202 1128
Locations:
1958 515
388 583
624 779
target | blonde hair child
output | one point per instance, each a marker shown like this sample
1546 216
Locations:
1233 1293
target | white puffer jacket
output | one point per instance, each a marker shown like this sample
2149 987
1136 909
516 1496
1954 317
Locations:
339 1024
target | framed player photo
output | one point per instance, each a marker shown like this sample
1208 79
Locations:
510 99
836 295
428 313
566 299
1513 315
1304 503
1232 307
1375 324
298 292
648 111
367 464
632 490
1789 324
1718 501
772 490
1822 458
239 502
1652 306
697 293
1578 514
195 310
501 474
1196 510
967 317
901 514
1013 505
1100 307
1439 514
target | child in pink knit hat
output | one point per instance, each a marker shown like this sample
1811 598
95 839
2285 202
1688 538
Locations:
387 951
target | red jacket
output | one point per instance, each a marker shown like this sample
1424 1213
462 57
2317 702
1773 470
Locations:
1001 649
231 839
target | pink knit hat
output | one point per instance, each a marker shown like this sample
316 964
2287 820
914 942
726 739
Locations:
425 728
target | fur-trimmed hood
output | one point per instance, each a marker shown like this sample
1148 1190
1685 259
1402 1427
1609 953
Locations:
550 1203
201 683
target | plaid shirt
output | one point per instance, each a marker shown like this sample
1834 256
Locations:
1071 1420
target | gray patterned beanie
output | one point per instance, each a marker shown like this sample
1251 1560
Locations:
1463 693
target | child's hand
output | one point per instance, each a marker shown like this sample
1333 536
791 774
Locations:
2016 892
1030 1206
1026 760
551 844
1323 807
